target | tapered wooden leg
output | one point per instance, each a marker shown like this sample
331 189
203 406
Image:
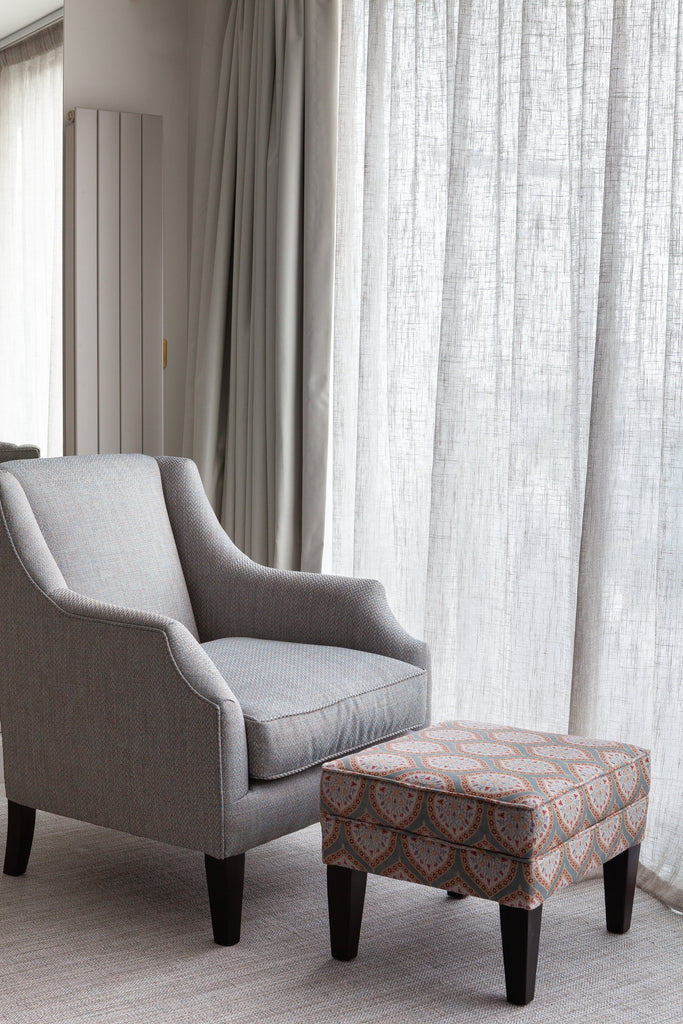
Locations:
619 876
520 930
20 825
456 895
225 881
345 898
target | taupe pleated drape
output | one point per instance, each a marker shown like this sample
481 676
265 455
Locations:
261 273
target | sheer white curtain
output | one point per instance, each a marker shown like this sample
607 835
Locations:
31 242
508 398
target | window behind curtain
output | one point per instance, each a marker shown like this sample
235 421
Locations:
31 242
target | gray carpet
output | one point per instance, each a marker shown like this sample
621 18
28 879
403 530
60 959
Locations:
108 928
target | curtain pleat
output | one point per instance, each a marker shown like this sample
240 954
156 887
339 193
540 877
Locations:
508 333
629 626
261 273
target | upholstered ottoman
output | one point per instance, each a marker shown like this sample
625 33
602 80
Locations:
506 814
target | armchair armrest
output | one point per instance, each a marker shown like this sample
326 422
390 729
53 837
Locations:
125 722
184 663
234 596
309 608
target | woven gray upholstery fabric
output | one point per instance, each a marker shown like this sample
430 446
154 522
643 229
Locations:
233 596
109 715
104 519
272 809
303 703
111 711
26 540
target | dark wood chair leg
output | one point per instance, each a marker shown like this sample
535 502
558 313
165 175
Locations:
520 930
225 881
20 825
456 895
619 876
345 898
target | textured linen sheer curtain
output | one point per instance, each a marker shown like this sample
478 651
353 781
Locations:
261 272
508 344
31 242
505 291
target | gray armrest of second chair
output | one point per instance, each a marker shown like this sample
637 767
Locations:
12 452
157 681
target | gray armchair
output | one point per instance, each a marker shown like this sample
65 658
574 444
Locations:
155 680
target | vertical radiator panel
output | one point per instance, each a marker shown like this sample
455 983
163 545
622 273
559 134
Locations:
68 361
152 341
108 294
113 384
85 283
131 284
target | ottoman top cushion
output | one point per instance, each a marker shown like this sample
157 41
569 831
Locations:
493 787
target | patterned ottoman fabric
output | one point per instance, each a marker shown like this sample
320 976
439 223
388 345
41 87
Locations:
506 814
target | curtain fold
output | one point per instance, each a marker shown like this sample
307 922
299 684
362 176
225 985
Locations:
261 272
628 665
508 332
31 242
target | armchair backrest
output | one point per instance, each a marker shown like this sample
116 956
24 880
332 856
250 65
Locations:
105 521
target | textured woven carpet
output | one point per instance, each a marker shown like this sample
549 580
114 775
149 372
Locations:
108 928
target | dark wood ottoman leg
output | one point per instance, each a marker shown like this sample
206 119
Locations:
225 882
345 898
20 825
456 895
619 876
520 930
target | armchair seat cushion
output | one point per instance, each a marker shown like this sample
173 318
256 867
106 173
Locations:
304 704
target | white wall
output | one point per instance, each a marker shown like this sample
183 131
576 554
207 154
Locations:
133 55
